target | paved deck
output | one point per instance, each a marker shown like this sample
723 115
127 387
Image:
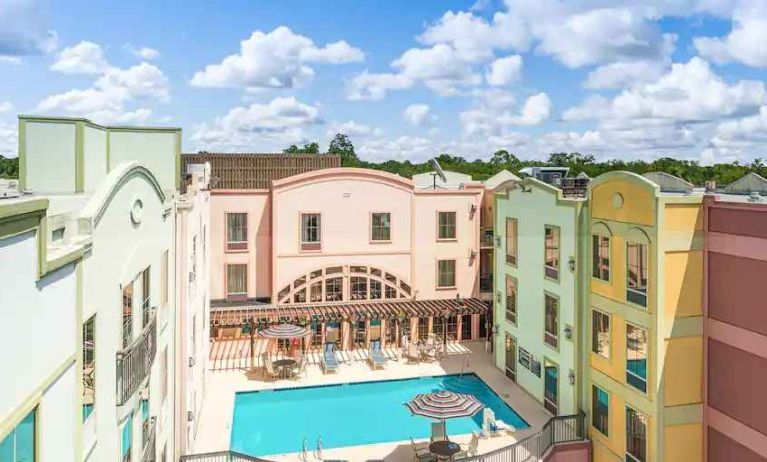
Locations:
216 416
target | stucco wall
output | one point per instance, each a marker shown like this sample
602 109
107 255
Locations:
50 159
57 416
158 151
94 156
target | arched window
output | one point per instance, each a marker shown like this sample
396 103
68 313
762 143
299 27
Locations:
600 251
637 263
342 283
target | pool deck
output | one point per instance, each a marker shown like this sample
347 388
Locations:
216 416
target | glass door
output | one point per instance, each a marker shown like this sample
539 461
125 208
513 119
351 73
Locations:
511 357
551 387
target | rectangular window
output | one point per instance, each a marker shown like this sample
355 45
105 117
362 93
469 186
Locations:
551 330
237 281
236 231
600 257
446 227
375 289
89 367
551 251
551 387
315 292
359 287
466 327
127 315
636 357
19 444
299 296
311 231
636 436
146 309
511 241
446 273
380 227
452 328
636 273
334 289
164 271
600 410
600 333
423 329
511 299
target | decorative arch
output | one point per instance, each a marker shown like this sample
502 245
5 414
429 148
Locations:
345 283
637 236
601 229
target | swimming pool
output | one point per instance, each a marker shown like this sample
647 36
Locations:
277 421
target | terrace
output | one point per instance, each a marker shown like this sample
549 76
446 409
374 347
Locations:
216 418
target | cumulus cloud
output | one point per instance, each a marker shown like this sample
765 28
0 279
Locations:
276 123
23 32
745 43
416 114
493 114
277 59
114 89
413 148
9 140
504 71
83 58
352 129
145 53
6 106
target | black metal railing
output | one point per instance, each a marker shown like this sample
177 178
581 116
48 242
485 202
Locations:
560 429
486 283
135 362
221 456
148 438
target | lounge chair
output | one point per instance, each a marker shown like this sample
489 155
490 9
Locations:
375 356
429 354
471 449
421 451
329 360
438 432
270 372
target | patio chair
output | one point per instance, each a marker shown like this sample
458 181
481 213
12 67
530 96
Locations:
421 451
375 356
270 372
300 368
329 360
429 354
438 432
470 449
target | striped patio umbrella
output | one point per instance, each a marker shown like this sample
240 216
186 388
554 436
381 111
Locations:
444 405
285 331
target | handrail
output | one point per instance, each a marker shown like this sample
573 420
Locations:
149 437
559 429
220 456
135 362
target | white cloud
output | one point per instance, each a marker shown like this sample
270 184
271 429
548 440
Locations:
689 91
622 74
416 114
277 123
413 148
745 43
277 59
9 140
145 53
504 71
352 129
751 129
367 86
108 100
6 106
83 58
489 118
22 30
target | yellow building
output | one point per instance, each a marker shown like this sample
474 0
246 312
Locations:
644 344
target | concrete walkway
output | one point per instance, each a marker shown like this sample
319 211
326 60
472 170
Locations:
216 416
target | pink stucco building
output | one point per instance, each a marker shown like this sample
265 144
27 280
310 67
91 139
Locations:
735 328
353 235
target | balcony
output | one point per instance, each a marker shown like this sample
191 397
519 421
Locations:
148 438
135 362
486 283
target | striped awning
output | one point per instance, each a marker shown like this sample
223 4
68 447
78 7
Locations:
285 331
225 316
444 405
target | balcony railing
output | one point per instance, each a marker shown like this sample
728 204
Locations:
562 429
135 362
149 434
222 456
486 283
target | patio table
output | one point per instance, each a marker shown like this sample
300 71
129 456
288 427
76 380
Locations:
284 366
445 449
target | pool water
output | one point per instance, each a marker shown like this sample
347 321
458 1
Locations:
277 421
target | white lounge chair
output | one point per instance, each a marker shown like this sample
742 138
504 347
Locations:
329 360
421 451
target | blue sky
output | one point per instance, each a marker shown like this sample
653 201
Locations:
404 79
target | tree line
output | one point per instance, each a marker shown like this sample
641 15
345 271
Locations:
9 167
479 169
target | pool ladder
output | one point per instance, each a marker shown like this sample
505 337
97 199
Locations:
464 365
318 451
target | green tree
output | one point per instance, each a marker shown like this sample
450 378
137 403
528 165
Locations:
342 146
309 148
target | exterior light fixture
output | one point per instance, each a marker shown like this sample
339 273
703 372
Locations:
571 263
498 241
571 376
568 332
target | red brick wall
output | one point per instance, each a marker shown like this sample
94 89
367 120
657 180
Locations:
737 291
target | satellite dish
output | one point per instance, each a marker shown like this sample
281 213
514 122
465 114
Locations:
438 169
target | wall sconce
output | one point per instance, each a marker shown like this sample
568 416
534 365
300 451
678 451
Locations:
568 332
571 263
571 376
497 241
498 296
496 328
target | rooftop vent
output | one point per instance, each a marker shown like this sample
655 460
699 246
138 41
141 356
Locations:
755 197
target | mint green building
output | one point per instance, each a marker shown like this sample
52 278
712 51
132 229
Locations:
538 297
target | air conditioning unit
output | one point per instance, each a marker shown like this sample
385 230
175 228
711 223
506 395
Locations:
191 361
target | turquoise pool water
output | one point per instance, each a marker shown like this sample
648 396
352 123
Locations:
277 421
